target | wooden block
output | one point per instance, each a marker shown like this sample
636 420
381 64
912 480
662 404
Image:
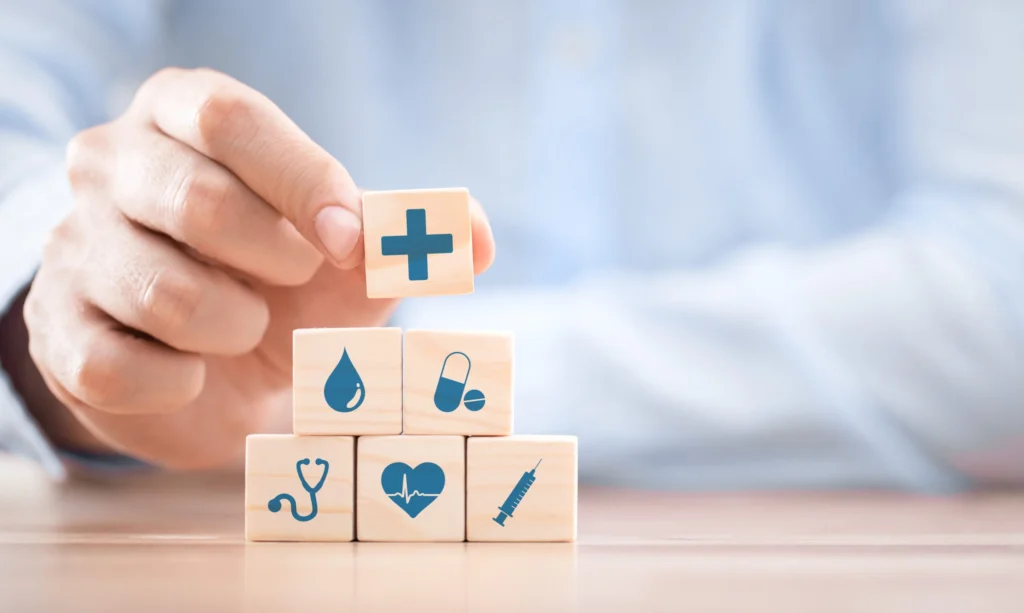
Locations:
497 470
279 506
473 396
347 381
418 243
411 488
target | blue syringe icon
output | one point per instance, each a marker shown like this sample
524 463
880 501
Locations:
517 494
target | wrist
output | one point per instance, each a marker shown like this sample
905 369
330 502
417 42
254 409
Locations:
55 420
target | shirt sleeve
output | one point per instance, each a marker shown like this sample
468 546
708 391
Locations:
59 62
889 358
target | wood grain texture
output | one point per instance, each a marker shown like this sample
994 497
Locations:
376 353
270 470
494 466
378 518
447 212
491 371
169 542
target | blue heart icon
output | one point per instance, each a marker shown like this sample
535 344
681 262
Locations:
412 489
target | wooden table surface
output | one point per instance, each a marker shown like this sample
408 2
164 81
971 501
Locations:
174 543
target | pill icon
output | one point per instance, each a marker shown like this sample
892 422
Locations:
452 382
474 400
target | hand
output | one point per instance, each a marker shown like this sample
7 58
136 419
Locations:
162 313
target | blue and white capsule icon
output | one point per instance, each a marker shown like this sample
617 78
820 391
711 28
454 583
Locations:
451 385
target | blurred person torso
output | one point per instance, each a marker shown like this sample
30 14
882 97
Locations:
756 242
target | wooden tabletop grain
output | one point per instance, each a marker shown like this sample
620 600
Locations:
166 542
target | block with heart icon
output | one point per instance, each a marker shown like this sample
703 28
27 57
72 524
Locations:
347 381
418 242
458 383
521 488
299 488
410 488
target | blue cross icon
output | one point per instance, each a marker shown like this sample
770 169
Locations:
416 243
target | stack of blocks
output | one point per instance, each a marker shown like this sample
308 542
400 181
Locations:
408 438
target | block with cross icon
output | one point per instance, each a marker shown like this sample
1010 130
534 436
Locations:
418 243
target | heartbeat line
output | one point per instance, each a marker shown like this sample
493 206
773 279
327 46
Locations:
405 493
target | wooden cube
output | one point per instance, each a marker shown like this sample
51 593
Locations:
521 488
299 488
411 488
347 381
458 383
418 243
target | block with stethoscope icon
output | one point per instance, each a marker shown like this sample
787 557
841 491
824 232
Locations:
299 488
457 383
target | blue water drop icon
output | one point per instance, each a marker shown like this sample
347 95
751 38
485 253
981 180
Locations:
344 391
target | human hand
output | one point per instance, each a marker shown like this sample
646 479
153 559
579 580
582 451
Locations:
162 313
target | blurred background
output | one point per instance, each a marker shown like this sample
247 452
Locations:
744 244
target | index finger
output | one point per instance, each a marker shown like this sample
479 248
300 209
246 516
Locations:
249 135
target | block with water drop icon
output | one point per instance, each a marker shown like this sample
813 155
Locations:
347 381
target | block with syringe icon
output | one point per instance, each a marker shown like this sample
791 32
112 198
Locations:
521 488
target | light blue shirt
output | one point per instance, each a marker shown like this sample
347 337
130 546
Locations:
744 243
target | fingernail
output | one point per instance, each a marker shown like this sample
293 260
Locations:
338 230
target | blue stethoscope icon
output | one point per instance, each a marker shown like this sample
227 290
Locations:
451 384
275 503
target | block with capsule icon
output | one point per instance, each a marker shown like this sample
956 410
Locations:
458 383
347 381
411 488
521 488
417 242
299 488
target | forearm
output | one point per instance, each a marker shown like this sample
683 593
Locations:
57 423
